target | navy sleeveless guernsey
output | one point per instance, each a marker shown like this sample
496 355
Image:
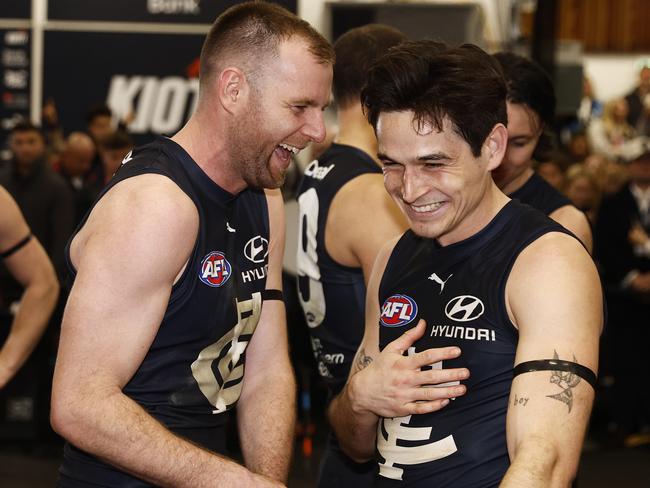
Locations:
460 291
537 193
192 375
332 295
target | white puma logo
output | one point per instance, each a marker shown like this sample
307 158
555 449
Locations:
437 279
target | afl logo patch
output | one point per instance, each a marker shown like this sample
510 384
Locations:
398 310
215 269
464 308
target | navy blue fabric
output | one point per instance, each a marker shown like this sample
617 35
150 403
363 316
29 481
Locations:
219 290
460 291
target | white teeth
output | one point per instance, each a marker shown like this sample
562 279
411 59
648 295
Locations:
294 150
426 208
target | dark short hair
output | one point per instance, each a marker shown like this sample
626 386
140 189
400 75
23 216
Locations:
530 85
98 110
434 81
117 140
253 31
356 50
26 126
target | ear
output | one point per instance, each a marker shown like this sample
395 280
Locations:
494 147
232 89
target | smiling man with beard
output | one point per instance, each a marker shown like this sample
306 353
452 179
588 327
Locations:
167 314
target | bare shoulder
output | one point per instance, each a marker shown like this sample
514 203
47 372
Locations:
554 278
146 214
554 256
366 192
12 224
576 221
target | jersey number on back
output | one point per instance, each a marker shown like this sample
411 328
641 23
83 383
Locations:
310 289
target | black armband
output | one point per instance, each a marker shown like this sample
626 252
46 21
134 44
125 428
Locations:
272 295
15 248
557 365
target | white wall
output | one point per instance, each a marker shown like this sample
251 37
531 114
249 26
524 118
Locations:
317 14
613 75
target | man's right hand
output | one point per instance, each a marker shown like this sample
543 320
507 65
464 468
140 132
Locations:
394 385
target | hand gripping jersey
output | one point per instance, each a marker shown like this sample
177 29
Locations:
460 291
332 295
537 193
192 374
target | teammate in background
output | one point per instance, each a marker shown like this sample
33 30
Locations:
177 277
531 110
28 263
346 217
476 271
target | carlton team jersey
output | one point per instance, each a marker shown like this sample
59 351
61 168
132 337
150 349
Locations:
192 374
460 291
332 295
537 193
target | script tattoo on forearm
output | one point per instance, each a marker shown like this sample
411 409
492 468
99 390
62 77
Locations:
362 360
566 381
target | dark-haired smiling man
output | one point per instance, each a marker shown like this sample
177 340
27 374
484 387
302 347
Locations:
478 363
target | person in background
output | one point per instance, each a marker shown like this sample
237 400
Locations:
112 151
346 217
41 194
22 322
531 110
622 251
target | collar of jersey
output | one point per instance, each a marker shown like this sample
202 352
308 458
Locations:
199 177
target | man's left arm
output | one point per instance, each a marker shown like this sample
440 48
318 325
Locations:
266 410
554 297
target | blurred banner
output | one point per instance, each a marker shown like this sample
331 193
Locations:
151 78
175 11
14 78
15 9
134 59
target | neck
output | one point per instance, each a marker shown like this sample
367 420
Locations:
491 203
210 152
355 131
518 182
26 169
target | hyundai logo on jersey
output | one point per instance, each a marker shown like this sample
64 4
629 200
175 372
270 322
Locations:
398 310
256 249
215 269
464 308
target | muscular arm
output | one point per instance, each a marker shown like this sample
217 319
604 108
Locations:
576 221
31 267
266 410
127 258
388 384
361 220
554 298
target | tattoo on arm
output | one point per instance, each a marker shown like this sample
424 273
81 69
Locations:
565 380
362 359
520 400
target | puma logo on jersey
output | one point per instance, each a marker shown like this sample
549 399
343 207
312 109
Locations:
398 310
318 172
215 269
434 277
128 157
